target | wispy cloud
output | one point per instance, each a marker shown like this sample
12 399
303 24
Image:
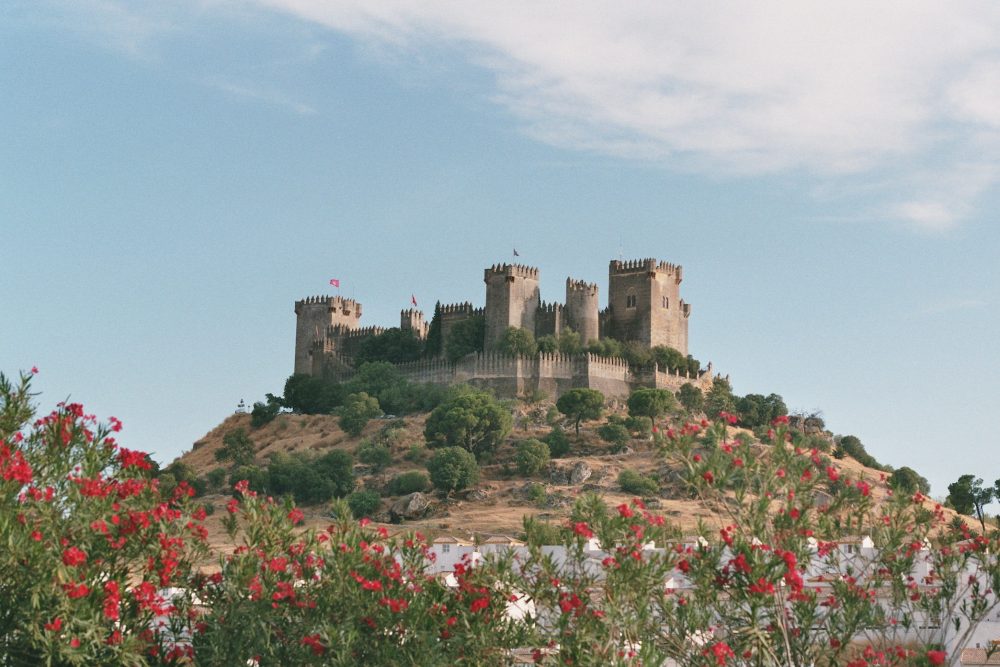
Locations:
258 93
901 93
837 89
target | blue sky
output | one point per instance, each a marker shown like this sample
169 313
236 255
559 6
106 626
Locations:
174 175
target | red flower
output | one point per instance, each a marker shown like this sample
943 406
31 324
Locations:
583 530
721 652
313 642
74 556
295 516
76 591
936 657
479 604
112 598
54 625
625 511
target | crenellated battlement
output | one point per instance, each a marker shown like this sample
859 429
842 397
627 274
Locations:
513 270
551 307
363 332
582 286
464 308
648 264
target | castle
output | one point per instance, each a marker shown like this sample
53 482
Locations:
644 306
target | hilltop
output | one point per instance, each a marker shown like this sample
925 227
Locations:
498 503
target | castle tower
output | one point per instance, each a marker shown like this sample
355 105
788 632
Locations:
644 304
413 320
581 309
512 299
313 316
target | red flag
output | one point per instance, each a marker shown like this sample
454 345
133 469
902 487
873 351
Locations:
335 282
413 300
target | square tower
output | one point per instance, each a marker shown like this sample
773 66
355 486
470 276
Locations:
313 317
512 299
644 304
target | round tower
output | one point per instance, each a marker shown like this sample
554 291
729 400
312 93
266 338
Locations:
581 309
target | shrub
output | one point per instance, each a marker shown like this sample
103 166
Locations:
264 413
376 456
616 434
638 425
357 410
453 469
416 453
536 494
558 442
311 480
237 448
474 421
255 477
216 477
632 482
363 503
408 482
532 456
516 341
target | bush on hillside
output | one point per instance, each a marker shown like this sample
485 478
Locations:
311 480
376 456
363 503
532 457
632 482
453 469
691 398
557 441
408 482
616 434
237 448
357 411
580 404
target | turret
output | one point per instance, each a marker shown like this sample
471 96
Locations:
512 299
413 320
581 309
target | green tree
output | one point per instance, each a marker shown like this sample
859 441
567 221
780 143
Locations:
756 410
720 398
264 413
466 336
394 345
312 395
691 397
237 448
579 404
453 469
651 403
907 480
474 421
516 341
532 456
570 342
357 410
435 342
547 343
968 496
605 347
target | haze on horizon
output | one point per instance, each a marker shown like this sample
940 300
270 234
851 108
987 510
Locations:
174 175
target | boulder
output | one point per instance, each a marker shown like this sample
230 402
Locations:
580 473
412 506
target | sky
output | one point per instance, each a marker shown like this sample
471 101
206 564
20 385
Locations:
173 176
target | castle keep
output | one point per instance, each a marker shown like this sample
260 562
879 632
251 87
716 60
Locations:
644 306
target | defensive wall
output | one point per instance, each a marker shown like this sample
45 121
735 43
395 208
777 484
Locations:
554 374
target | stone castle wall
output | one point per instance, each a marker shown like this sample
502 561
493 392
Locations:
554 374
